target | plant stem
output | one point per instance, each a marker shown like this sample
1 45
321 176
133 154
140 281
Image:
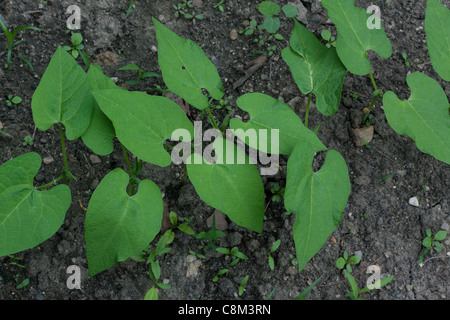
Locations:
212 118
45 186
125 155
307 110
63 147
375 88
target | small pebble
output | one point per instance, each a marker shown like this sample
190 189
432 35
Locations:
414 201
94 159
48 160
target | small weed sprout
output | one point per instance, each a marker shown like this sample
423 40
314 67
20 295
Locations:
10 36
141 74
274 248
277 192
13 100
346 262
355 292
28 141
242 285
236 256
431 243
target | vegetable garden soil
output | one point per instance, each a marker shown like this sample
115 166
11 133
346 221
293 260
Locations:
378 222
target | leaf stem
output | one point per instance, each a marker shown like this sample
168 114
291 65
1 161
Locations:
372 79
55 181
212 118
307 110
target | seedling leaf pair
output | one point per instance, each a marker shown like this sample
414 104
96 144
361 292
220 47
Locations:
28 216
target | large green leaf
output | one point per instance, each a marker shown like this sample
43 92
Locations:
267 113
186 69
100 133
437 29
235 189
316 198
143 122
28 217
354 37
119 226
63 96
315 69
423 117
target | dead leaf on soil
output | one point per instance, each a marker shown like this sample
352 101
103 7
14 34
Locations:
179 101
165 223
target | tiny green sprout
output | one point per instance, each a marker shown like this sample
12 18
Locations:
182 226
210 237
355 292
431 243
77 45
141 75
10 36
345 262
277 192
274 248
302 296
236 256
13 100
194 17
242 285
130 7
219 6
250 29
1 132
28 141
24 283
330 39
405 57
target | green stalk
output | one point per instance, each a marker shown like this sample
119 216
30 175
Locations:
125 155
45 186
375 88
307 110
132 184
212 118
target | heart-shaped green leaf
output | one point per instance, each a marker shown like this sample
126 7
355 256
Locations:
316 69
63 96
119 226
100 133
235 189
355 37
143 122
186 69
316 198
423 117
267 113
28 217
437 29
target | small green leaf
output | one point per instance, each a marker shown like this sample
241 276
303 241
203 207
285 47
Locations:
173 218
289 10
271 263
437 30
271 24
427 242
340 263
186 229
440 235
130 67
16 100
151 294
269 8
423 117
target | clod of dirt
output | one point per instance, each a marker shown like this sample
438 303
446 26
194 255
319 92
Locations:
361 136
221 222
234 34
